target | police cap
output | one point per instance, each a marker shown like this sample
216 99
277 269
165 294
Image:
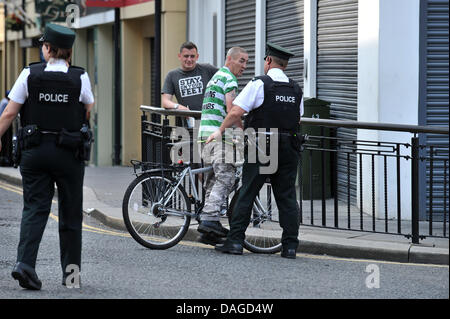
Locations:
58 35
276 50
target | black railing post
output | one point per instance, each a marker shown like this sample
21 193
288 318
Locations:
430 209
322 160
335 182
415 189
311 198
165 152
157 58
399 201
445 196
144 143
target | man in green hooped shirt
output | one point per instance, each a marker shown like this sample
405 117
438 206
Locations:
217 102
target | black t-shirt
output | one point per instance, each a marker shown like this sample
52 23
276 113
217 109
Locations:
189 86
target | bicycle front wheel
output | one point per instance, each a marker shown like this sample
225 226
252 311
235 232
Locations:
155 213
263 232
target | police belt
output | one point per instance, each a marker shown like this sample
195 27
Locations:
294 139
31 136
49 132
274 133
268 135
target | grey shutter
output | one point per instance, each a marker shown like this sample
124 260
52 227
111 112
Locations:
240 17
284 26
436 97
337 74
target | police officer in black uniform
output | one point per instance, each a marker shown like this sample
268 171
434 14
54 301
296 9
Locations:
53 99
272 101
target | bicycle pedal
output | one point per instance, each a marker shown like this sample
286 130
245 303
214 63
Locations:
191 198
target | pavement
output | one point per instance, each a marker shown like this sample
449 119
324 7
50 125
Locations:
104 188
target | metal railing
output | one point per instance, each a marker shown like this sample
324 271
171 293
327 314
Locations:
387 184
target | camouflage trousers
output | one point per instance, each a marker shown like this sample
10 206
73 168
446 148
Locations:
218 182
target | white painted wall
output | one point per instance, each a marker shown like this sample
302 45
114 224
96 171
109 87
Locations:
200 29
388 88
310 48
260 36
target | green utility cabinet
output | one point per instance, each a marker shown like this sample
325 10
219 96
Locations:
314 159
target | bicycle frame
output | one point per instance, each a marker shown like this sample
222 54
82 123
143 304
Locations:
180 177
192 172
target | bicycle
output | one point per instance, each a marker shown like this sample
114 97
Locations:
157 210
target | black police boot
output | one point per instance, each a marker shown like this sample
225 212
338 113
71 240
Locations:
230 248
210 239
27 277
208 226
290 253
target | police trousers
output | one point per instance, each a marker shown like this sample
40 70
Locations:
42 167
283 186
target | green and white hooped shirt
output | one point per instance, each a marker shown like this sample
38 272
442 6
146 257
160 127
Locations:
214 109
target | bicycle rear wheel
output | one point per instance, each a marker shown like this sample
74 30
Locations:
263 232
149 221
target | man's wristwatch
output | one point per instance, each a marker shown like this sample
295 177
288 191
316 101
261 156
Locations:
176 106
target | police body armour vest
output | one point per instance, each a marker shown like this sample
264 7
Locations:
53 99
281 106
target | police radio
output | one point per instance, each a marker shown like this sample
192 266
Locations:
87 140
16 151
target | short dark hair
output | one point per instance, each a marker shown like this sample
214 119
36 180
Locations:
188 45
281 62
58 53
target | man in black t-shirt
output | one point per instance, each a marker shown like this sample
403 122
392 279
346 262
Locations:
188 82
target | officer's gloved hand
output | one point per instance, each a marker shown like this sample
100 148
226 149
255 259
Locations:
238 140
239 145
